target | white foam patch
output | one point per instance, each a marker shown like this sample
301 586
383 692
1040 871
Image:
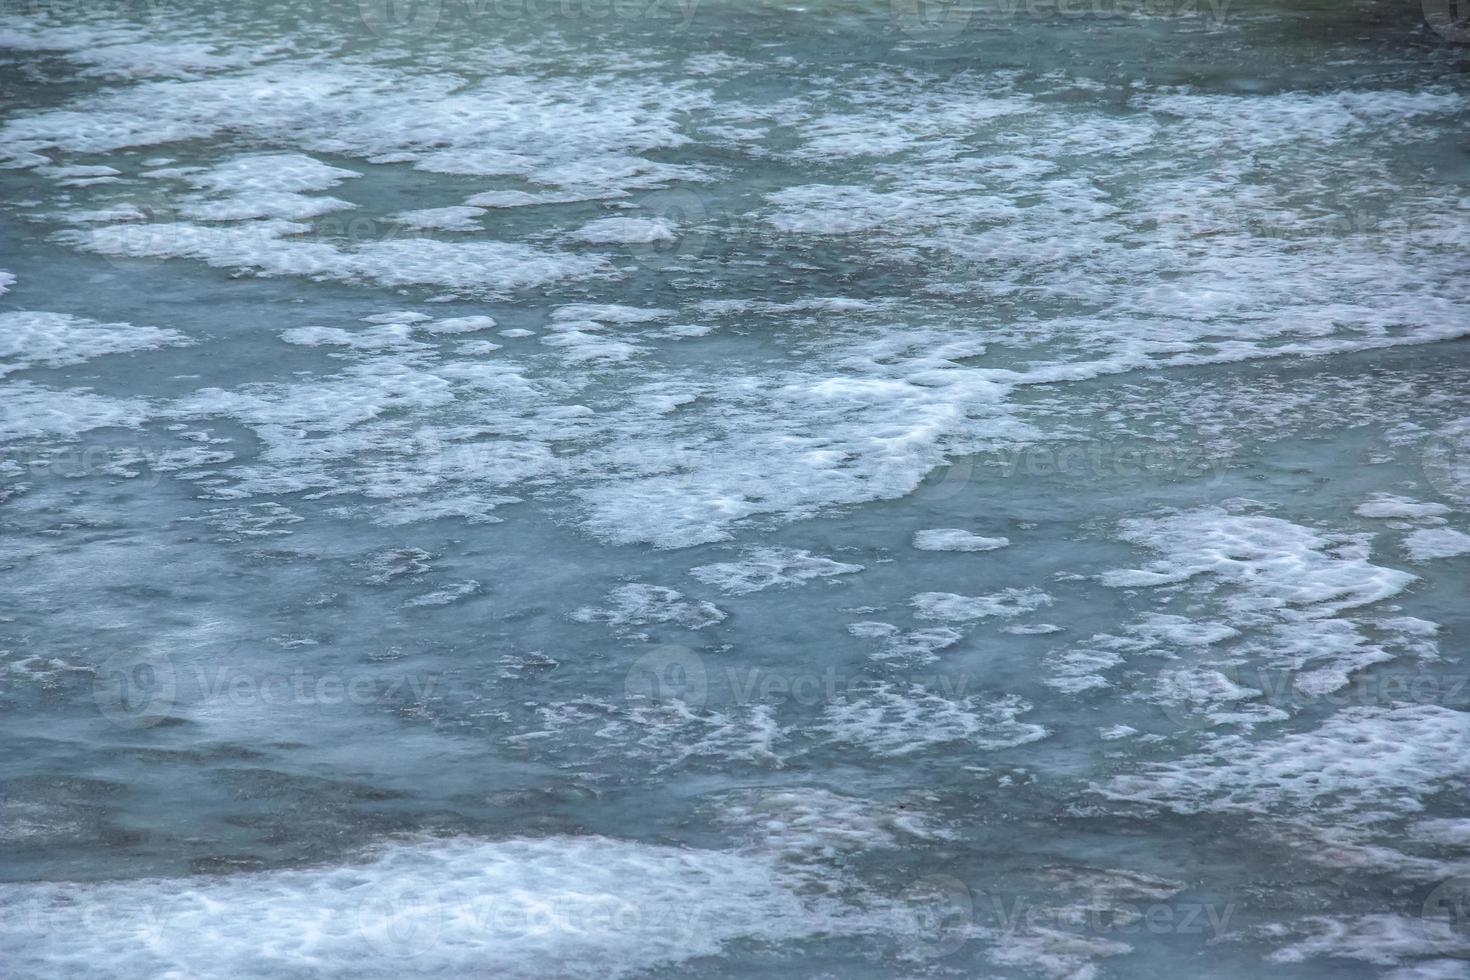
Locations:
527 199
810 823
259 185
940 115
766 568
398 316
1453 832
1006 604
628 230
579 140
269 248
7 279
292 173
527 908
639 604
1431 969
451 593
34 339
901 719
31 411
1031 629
608 313
387 336
663 735
956 539
1362 764
1428 543
1389 505
457 218
863 409
846 209
578 332
1295 117
120 50
1429 947
579 346
1058 953
459 324
1297 590
911 648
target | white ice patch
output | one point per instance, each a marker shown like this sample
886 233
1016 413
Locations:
955 539
765 568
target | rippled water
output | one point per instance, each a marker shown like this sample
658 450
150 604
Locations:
557 489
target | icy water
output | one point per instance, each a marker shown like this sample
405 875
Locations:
524 489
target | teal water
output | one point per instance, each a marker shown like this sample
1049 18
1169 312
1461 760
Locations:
568 489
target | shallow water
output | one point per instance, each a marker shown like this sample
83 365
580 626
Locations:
530 490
